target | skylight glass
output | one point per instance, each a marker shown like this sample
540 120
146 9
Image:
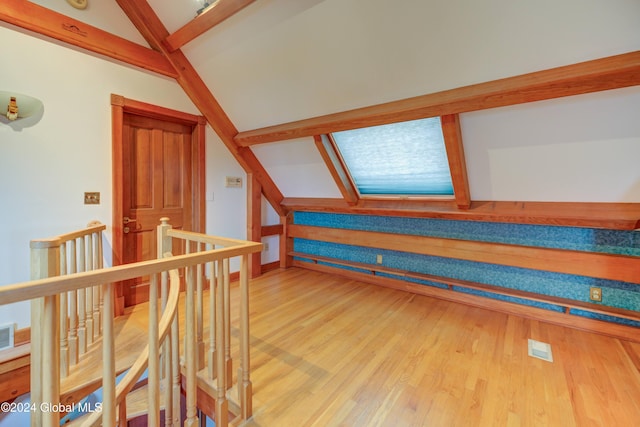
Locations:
407 158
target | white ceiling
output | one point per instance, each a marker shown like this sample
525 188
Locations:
283 60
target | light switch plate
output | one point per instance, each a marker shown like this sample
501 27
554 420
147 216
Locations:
92 198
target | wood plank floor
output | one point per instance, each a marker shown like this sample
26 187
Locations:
328 351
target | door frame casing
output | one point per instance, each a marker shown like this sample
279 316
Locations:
121 106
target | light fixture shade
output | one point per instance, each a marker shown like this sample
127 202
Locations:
27 105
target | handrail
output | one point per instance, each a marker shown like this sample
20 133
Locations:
93 227
203 238
25 291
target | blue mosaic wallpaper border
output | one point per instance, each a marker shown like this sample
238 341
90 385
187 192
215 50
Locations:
574 238
615 294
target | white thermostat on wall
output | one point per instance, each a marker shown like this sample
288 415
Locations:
233 182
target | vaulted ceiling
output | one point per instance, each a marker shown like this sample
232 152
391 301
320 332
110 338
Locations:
280 73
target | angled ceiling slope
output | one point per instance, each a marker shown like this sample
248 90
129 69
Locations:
166 58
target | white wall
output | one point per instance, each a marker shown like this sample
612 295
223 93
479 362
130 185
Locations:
47 163
578 149
297 168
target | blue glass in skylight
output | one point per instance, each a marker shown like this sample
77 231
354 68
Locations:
407 158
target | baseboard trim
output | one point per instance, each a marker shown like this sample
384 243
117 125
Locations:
615 330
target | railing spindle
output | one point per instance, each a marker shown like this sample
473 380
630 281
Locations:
82 297
122 414
89 292
73 307
166 354
50 363
95 291
64 343
212 359
190 351
175 371
170 350
153 396
98 290
199 312
227 324
108 358
244 375
221 399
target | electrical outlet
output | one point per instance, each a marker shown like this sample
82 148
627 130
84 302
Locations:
595 294
378 259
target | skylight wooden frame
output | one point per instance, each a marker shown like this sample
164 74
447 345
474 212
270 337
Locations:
330 154
452 135
457 163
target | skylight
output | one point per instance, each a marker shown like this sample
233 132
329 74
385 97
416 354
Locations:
407 158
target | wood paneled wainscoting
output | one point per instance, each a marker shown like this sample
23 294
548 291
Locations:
541 272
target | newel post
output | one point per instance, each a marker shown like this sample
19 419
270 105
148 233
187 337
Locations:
164 240
45 335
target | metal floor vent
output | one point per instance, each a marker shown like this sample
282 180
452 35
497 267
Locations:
541 350
6 336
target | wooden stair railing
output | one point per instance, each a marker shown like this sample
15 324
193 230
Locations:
161 356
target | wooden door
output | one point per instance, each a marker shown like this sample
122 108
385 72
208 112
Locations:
158 172
157 177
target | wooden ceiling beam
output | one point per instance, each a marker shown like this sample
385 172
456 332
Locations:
592 76
209 18
150 26
32 17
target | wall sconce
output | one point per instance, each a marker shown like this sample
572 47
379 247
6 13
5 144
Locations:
18 106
